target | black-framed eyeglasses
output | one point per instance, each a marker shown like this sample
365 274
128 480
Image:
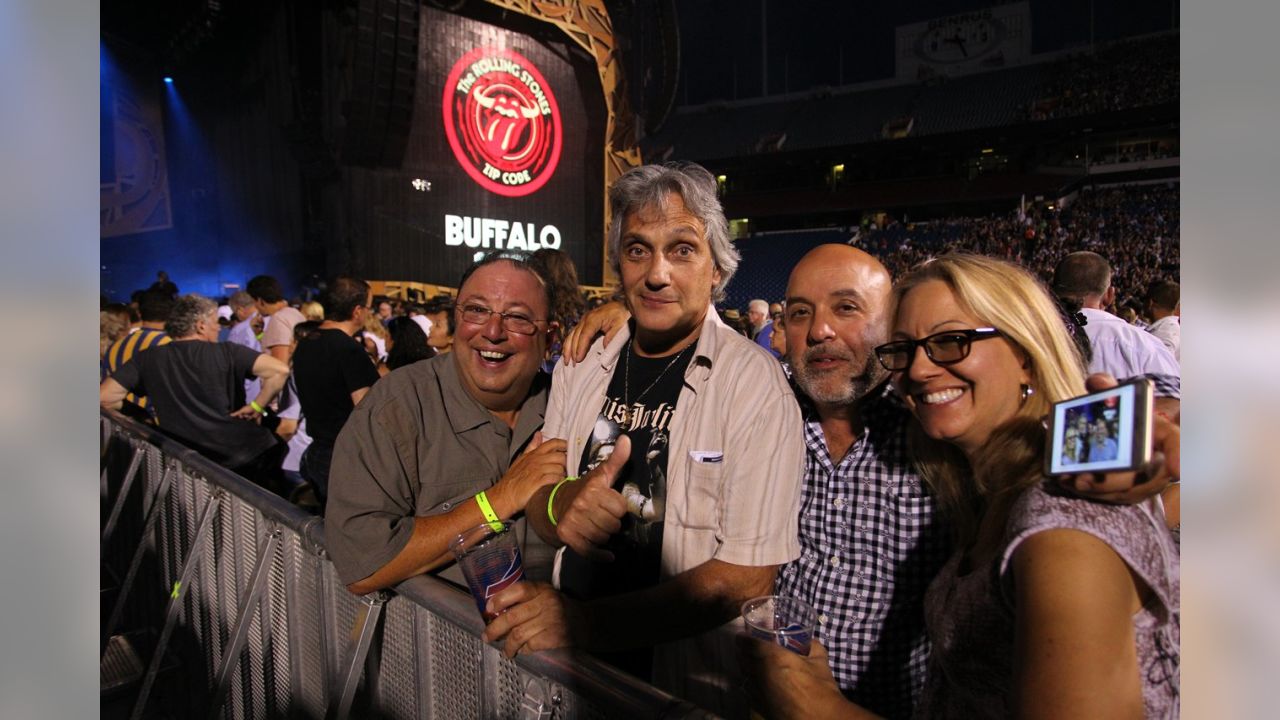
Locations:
518 323
944 348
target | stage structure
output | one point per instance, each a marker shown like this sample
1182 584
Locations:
517 123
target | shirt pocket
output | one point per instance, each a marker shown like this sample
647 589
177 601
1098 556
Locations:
914 523
443 497
701 495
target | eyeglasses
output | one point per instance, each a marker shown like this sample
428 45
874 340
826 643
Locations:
944 348
511 322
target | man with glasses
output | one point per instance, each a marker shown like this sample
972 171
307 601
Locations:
440 446
332 373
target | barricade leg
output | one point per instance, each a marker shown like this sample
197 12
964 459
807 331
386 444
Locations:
248 604
180 590
125 487
152 515
367 624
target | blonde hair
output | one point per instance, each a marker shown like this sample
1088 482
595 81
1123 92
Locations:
1009 298
312 311
110 329
373 325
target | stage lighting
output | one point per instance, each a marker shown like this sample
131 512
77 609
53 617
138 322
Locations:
168 80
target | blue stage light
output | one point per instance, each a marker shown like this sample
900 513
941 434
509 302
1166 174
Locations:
168 79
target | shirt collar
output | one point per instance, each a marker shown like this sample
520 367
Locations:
466 413
708 343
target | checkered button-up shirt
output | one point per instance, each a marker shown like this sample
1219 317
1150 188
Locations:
871 542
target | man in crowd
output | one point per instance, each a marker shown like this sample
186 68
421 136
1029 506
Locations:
153 308
332 373
384 310
440 446
196 386
439 311
761 325
1165 310
243 313
268 297
692 515
1119 348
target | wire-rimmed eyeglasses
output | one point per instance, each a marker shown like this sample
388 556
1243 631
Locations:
518 323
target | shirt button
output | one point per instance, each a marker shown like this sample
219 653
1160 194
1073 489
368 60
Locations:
446 506
822 619
835 561
839 502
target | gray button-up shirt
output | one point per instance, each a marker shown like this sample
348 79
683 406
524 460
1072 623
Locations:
418 445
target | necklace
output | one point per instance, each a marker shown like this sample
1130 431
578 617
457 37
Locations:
626 382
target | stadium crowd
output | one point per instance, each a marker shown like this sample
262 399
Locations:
873 447
1135 227
1125 75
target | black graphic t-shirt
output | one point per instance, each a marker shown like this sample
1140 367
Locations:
654 387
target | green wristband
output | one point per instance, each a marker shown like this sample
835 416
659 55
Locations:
490 516
551 501
257 408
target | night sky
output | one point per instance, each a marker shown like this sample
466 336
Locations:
832 42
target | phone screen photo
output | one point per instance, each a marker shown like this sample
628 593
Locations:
1101 432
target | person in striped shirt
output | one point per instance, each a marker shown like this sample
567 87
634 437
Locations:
154 306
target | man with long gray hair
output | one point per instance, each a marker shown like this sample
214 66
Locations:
196 387
659 552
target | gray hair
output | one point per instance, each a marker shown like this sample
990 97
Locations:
240 299
187 311
649 185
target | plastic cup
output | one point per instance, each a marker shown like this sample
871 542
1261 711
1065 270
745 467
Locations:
782 620
490 559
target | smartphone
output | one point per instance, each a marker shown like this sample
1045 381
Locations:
1107 431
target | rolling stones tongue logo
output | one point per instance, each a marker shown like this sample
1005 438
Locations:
502 121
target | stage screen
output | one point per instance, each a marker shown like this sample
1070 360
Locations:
506 152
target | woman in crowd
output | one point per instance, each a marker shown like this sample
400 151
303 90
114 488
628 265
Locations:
1051 606
408 342
556 268
374 336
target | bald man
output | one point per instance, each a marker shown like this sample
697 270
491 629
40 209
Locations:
870 537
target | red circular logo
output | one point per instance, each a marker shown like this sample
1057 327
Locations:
502 121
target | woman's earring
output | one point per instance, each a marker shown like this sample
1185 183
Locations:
1026 392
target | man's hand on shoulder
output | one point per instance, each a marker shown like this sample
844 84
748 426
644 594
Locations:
589 511
605 320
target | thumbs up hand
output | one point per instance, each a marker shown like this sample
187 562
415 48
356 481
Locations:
589 511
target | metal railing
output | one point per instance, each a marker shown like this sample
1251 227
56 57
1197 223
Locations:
237 583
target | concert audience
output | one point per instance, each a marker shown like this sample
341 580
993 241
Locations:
1122 76
1135 227
195 385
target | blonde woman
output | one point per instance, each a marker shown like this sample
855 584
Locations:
312 311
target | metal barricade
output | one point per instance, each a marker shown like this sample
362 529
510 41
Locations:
237 583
